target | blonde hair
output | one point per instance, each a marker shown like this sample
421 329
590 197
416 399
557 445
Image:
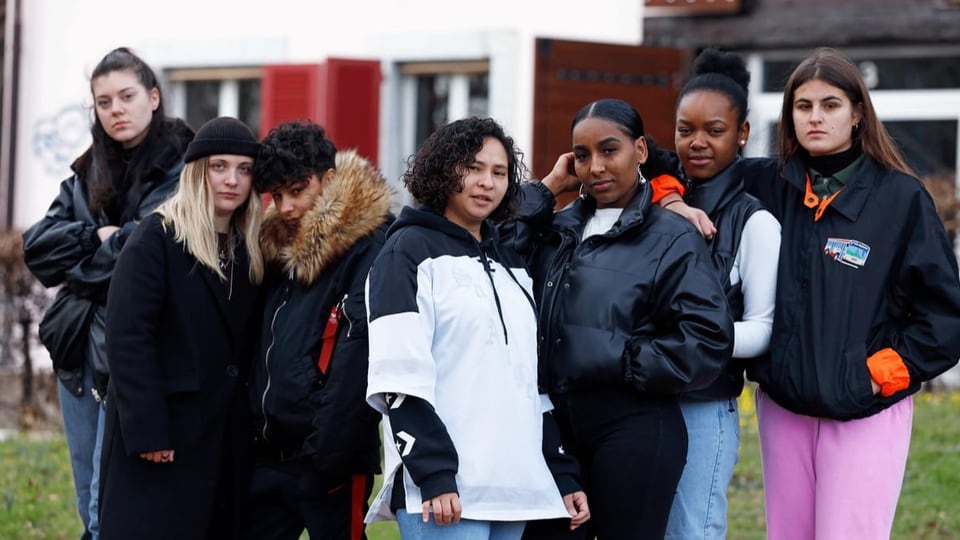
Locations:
190 212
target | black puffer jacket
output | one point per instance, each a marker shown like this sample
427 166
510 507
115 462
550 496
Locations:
63 247
638 306
299 412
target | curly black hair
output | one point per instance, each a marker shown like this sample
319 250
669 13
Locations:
436 171
290 153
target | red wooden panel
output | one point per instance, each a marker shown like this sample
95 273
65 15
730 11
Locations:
289 92
342 95
351 104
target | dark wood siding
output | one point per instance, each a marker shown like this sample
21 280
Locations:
570 74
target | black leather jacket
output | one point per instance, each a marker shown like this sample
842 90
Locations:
639 306
729 207
63 247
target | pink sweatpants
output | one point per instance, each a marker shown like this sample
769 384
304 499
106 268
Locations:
831 480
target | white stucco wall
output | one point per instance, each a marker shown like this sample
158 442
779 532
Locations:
62 41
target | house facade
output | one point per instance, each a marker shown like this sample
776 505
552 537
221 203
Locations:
433 60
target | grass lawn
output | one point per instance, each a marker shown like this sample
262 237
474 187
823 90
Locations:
38 502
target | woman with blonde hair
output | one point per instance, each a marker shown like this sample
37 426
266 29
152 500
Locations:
181 315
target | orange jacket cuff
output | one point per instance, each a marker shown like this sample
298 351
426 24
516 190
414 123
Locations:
664 185
888 370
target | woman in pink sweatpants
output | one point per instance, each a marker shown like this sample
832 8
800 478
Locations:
867 308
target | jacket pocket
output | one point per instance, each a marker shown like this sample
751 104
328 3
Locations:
65 328
851 394
355 316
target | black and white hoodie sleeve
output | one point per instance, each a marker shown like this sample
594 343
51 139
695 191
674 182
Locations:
402 377
424 445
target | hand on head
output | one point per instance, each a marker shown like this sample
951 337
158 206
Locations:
562 177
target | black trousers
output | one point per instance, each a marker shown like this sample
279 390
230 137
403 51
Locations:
632 451
286 498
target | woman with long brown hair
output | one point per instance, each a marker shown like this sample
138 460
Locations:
867 309
131 166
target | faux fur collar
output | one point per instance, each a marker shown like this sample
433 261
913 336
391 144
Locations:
351 206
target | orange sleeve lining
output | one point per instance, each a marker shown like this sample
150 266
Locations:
888 370
664 185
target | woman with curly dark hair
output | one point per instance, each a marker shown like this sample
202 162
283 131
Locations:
469 440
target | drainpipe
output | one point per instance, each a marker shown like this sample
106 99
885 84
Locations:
8 129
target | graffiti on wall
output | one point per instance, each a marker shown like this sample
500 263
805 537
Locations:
58 139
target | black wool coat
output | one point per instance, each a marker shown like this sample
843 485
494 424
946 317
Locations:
177 337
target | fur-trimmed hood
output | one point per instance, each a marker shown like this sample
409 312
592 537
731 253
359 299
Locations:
353 204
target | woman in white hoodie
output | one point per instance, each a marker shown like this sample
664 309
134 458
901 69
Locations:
471 448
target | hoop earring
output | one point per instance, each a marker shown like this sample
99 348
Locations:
640 178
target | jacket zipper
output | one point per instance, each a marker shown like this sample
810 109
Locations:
341 309
266 359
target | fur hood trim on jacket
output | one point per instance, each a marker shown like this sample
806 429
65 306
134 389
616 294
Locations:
353 204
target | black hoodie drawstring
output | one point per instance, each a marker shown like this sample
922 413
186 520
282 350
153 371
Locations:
496 297
489 271
533 304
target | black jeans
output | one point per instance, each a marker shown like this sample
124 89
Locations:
286 498
632 450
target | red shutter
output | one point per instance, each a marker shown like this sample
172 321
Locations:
342 95
289 92
352 106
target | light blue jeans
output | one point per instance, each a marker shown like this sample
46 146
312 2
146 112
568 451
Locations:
699 510
83 418
412 527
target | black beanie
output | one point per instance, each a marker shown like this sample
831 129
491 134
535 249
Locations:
222 135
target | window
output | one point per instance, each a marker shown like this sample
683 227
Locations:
203 101
428 96
202 94
436 107
929 146
443 92
882 72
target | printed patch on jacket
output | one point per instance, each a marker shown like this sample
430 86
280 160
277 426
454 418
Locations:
852 253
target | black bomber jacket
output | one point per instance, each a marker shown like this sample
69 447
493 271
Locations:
876 271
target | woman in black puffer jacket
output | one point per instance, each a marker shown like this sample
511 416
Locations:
631 314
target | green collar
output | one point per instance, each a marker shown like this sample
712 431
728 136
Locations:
825 186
